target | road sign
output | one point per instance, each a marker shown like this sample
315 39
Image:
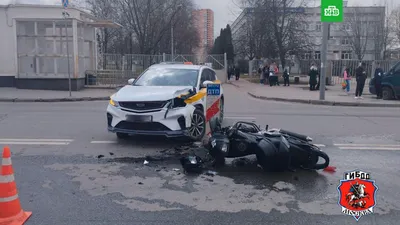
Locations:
65 3
332 11
213 89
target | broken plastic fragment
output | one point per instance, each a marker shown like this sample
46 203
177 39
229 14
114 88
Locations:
330 169
211 173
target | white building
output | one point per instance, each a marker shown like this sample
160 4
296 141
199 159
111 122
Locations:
339 46
33 46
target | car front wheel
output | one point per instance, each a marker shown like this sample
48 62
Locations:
197 129
387 93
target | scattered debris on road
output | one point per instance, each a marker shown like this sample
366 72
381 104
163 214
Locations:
211 173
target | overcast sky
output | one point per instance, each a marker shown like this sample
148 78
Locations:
225 11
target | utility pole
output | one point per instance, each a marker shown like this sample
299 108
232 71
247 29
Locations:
172 33
331 12
172 42
324 52
66 16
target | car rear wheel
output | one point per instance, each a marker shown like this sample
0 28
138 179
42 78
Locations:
387 93
197 129
122 135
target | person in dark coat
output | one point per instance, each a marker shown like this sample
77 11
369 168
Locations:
230 71
319 81
266 73
378 81
237 73
361 76
313 73
286 78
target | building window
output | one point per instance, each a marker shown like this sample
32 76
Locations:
346 55
317 55
318 26
346 27
345 41
306 56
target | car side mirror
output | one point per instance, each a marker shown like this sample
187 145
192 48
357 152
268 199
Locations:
204 84
130 81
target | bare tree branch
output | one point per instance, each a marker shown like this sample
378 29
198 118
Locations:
357 31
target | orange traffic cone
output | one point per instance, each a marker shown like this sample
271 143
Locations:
11 212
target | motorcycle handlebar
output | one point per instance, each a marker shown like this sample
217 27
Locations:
239 124
300 136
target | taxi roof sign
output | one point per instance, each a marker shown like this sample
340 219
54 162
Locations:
188 63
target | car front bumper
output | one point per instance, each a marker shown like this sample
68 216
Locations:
165 122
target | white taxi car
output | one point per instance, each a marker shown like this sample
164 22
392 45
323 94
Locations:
166 99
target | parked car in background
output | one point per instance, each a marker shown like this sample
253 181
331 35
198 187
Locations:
390 84
155 103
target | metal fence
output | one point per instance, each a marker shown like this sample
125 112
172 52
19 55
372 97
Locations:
336 68
114 70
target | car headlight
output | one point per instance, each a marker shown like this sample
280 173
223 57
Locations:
113 103
177 102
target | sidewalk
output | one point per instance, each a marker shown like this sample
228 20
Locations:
301 94
26 95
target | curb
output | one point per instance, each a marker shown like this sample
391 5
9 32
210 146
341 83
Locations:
322 102
72 99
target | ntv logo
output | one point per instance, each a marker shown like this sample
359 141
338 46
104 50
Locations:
331 11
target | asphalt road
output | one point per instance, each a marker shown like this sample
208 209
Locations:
62 181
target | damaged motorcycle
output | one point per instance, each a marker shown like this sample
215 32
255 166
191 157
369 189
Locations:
276 149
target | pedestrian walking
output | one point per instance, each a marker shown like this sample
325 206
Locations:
237 73
313 73
276 71
261 74
230 71
266 73
272 76
378 81
347 79
361 76
286 78
319 81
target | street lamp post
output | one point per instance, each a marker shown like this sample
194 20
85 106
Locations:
172 32
172 42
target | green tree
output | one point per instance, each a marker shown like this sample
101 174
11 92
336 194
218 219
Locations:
223 43
228 45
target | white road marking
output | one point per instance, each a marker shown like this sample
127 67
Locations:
239 118
366 146
320 145
33 143
37 140
103 142
370 148
371 145
14 141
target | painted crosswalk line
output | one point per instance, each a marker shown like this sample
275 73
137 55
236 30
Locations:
104 142
383 147
20 141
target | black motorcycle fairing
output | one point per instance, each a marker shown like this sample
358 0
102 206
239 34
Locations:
273 157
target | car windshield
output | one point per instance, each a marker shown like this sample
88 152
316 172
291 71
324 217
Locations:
168 77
